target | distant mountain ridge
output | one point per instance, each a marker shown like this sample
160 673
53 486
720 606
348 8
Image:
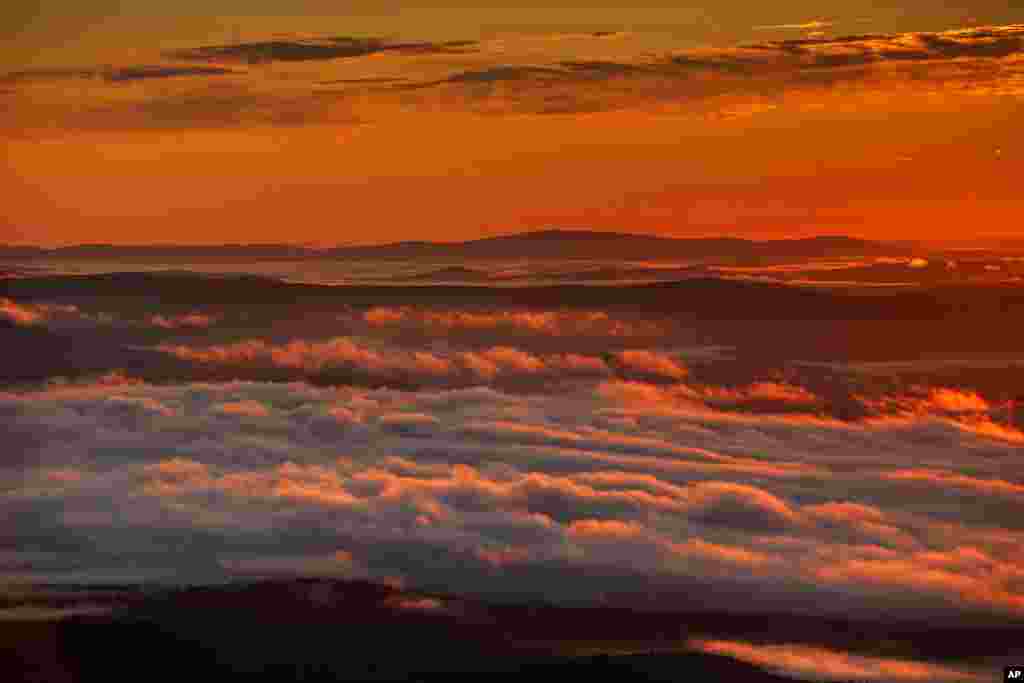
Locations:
542 244
613 246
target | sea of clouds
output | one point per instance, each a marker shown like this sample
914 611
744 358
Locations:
567 455
607 487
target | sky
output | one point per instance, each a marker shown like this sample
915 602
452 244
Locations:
328 123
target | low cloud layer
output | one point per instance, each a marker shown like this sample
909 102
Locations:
371 357
514 452
186 320
33 314
60 316
596 323
811 663
610 487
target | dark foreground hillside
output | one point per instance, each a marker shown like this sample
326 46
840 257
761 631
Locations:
77 651
318 630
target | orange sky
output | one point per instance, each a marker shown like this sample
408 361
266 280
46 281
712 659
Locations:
892 135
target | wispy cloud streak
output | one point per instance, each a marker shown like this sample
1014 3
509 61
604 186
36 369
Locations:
510 78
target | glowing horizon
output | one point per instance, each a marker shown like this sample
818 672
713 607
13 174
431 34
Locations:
219 128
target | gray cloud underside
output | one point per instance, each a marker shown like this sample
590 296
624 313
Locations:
310 50
762 69
760 58
363 81
772 56
115 75
705 82
144 72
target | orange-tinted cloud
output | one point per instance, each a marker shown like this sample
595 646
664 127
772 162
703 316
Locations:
535 321
502 557
722 502
843 512
505 78
504 356
944 480
187 320
605 528
32 314
313 356
508 483
242 408
653 363
409 422
373 358
420 604
18 314
697 548
762 391
337 564
983 581
801 661
937 400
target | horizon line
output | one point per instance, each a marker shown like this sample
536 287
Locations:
314 247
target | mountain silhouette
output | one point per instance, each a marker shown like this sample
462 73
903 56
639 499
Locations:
541 244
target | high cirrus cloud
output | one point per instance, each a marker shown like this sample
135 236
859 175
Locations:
714 81
338 47
813 25
124 74
510 78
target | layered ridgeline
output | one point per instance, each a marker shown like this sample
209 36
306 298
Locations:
544 244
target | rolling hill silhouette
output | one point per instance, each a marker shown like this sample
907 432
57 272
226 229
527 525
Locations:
541 244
